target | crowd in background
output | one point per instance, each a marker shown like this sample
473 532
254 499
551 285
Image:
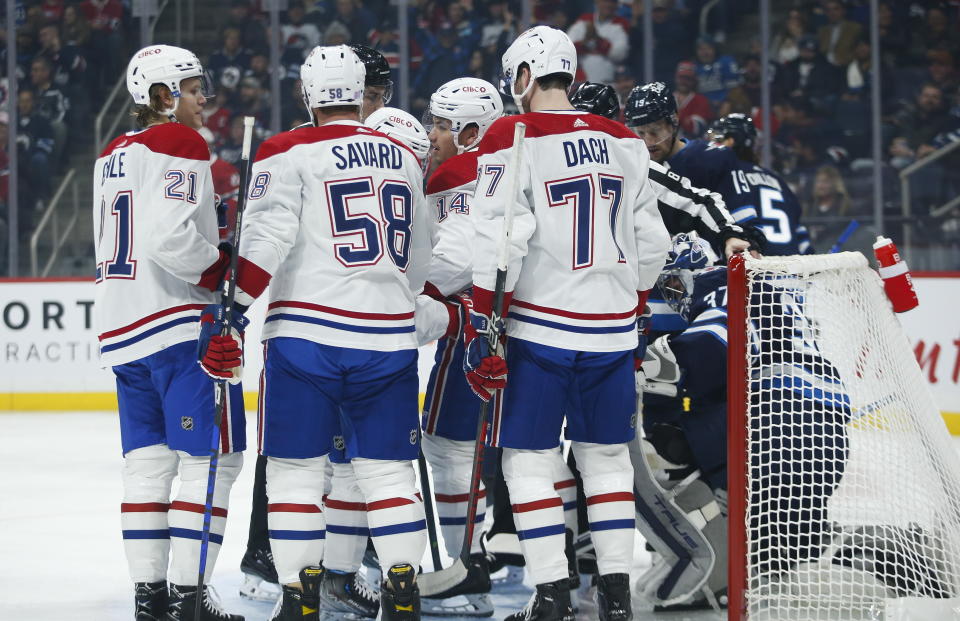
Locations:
821 76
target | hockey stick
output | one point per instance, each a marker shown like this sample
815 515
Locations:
220 387
428 508
439 581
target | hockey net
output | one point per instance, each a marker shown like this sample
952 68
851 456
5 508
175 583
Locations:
845 497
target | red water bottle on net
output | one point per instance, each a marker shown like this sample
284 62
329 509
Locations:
896 275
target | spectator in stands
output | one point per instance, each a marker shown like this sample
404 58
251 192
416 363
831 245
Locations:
693 109
260 69
69 74
498 29
839 35
786 44
810 76
106 42
251 101
894 38
942 71
359 21
230 149
295 31
443 60
926 118
623 82
52 10
49 102
468 31
602 41
230 60
35 145
336 34
935 34
76 29
253 32
746 96
715 74
829 196
670 38
216 115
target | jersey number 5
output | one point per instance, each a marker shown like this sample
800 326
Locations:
392 223
580 192
122 265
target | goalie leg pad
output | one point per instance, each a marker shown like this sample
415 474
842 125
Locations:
346 517
608 487
186 514
537 512
451 463
687 556
394 510
148 473
294 515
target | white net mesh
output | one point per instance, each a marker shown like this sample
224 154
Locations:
853 484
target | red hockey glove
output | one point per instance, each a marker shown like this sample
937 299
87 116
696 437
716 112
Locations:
486 371
221 357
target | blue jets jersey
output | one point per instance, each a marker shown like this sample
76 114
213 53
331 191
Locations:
752 194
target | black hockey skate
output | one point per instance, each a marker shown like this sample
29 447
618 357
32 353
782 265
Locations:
259 576
183 600
347 593
400 595
551 602
150 600
474 594
297 605
613 597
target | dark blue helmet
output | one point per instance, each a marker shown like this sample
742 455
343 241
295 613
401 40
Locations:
649 103
738 126
596 98
378 69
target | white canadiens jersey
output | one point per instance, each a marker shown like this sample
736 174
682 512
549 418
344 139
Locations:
587 234
155 234
336 223
449 193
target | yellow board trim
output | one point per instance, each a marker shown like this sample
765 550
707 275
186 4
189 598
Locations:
82 401
106 401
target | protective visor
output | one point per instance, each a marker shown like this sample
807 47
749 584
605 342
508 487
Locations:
654 133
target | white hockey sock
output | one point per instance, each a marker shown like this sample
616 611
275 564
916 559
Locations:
537 512
147 476
608 485
566 486
451 463
394 510
294 515
346 515
186 514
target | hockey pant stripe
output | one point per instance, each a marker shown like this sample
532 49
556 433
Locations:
356 531
388 503
613 524
179 505
144 507
297 535
459 521
291 507
189 533
537 505
147 534
396 529
542 531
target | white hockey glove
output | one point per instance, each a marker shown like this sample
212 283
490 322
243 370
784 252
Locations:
660 369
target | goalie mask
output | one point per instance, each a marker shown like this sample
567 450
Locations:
675 284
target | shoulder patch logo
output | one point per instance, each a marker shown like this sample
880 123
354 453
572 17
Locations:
580 123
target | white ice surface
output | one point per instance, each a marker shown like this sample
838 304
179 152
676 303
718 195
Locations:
61 555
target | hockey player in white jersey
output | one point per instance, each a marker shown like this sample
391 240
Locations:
343 590
587 245
157 273
336 226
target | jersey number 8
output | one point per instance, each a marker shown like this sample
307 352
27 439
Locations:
392 223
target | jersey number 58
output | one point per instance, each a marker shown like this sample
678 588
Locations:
369 232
